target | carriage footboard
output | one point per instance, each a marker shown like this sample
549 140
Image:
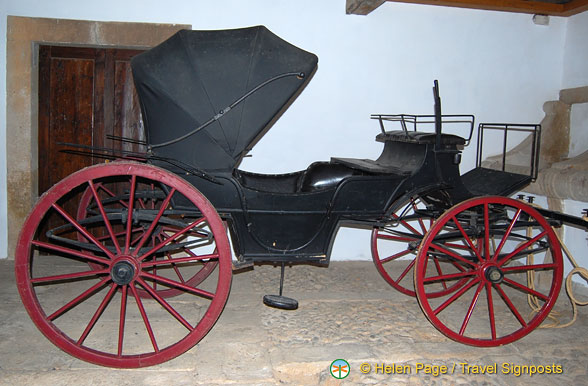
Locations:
483 182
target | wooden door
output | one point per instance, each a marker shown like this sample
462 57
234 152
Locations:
84 95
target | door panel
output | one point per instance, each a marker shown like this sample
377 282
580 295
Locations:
85 94
127 111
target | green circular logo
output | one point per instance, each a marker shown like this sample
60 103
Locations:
340 368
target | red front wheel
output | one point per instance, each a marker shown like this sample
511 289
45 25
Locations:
97 286
509 245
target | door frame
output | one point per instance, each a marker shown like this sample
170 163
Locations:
24 35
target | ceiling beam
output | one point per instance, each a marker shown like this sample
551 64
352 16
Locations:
574 7
521 6
364 7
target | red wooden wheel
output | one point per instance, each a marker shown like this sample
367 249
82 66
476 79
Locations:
395 247
147 197
94 311
508 241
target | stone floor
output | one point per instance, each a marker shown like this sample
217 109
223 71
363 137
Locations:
346 312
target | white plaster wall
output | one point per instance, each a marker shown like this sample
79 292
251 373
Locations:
575 71
488 64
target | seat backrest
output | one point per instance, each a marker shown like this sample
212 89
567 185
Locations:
324 175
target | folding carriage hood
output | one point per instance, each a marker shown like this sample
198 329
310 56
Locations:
194 76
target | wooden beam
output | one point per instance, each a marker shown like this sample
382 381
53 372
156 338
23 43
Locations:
362 7
520 6
574 7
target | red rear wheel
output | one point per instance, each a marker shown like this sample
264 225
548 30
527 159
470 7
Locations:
395 247
80 281
147 197
508 241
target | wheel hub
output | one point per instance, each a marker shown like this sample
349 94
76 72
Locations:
122 272
494 275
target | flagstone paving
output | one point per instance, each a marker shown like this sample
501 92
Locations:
347 311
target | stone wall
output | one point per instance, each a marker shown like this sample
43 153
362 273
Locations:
559 177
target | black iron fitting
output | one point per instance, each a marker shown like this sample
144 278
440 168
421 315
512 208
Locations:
222 112
122 273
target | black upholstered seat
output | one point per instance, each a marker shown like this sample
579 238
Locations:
419 137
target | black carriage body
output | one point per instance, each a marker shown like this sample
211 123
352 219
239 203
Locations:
208 96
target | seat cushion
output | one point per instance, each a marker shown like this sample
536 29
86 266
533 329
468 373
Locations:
419 137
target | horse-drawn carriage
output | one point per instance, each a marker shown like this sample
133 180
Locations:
138 249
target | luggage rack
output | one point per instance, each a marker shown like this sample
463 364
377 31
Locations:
533 129
410 123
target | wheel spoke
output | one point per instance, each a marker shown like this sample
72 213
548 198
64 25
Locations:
156 220
491 310
104 216
511 306
75 275
458 266
396 256
165 304
455 296
118 234
82 230
58 248
170 239
155 266
438 268
383 236
174 283
507 233
174 266
420 220
526 289
138 238
453 254
121 325
111 194
145 319
520 248
407 225
75 301
153 199
470 310
467 239
486 232
177 260
448 276
97 314
406 270
518 268
130 214
457 246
